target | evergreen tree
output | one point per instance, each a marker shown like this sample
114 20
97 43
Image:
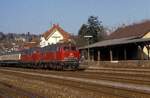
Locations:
93 28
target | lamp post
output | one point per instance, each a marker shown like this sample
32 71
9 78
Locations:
88 37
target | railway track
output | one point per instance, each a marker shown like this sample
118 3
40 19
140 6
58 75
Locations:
90 89
10 91
116 75
90 81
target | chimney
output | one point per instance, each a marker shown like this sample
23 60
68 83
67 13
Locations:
55 25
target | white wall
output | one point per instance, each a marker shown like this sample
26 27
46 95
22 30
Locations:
145 49
54 38
43 42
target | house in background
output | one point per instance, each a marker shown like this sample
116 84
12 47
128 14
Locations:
54 35
33 43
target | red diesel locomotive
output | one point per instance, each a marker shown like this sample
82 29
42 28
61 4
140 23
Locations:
56 56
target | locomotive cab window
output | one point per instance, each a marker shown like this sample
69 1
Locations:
66 48
71 48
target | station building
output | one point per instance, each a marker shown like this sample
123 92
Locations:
127 44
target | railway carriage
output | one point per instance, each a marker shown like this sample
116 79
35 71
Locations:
10 58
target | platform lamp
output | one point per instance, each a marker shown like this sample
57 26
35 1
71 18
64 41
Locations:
88 38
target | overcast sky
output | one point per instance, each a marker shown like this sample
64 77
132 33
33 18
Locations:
36 16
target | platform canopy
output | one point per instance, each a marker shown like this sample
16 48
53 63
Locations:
114 42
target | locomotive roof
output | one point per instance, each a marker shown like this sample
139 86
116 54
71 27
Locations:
60 44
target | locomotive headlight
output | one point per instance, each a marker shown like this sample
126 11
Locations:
71 55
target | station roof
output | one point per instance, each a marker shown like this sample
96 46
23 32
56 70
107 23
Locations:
114 42
125 35
137 29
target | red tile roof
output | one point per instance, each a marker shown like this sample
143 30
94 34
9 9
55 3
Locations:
30 45
134 30
34 43
65 34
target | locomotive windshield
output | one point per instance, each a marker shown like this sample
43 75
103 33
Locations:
71 48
